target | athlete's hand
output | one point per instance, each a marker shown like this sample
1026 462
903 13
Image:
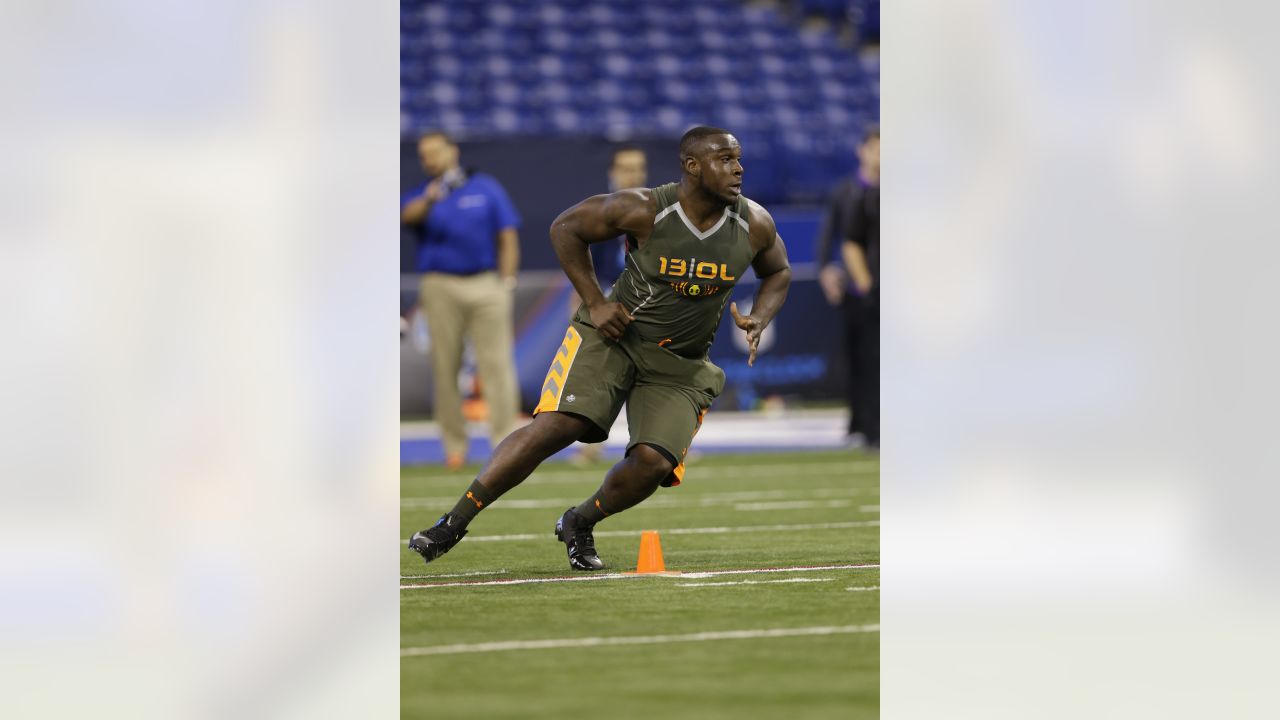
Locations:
753 327
610 318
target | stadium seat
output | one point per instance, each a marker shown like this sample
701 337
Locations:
521 67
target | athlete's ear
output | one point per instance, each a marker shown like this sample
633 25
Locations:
691 166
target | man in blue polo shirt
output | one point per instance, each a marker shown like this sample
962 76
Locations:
468 252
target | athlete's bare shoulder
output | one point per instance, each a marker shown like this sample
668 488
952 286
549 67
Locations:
631 211
603 217
762 228
636 209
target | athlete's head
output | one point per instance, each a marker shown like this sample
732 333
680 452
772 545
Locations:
869 155
712 160
437 153
628 169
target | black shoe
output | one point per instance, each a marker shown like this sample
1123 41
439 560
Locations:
578 540
439 538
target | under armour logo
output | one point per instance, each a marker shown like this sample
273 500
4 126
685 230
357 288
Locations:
570 398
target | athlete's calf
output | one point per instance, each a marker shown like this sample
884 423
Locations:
513 460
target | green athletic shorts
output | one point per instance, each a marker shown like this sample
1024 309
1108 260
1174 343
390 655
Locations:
666 395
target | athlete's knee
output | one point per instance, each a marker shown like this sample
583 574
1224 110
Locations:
651 463
556 428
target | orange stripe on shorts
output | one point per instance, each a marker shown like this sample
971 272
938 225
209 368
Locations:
553 385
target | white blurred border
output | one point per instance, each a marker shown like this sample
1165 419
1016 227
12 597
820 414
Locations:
1079 359
198 270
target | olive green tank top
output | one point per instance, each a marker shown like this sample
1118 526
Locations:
678 283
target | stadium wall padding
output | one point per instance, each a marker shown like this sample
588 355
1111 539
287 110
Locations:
544 176
801 356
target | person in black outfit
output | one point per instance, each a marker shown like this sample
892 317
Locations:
851 235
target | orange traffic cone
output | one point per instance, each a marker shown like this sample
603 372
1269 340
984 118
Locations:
650 561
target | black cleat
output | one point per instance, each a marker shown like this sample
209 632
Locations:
578 540
439 538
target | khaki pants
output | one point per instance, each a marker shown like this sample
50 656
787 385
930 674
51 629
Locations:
479 307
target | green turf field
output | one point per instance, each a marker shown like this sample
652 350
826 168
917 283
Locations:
506 651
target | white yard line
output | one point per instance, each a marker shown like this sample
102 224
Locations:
756 571
792 505
856 589
475 573
682 531
525 581
628 576
754 582
634 640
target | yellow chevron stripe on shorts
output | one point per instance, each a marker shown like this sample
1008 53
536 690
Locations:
553 386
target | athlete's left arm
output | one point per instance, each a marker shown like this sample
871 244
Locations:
774 273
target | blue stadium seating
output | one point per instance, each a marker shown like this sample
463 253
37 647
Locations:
797 98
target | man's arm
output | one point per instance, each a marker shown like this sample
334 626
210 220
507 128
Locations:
831 277
852 249
506 218
416 210
595 220
508 255
856 261
774 272
833 223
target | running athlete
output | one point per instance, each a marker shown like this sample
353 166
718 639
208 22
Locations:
645 344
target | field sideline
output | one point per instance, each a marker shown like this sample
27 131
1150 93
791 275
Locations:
776 610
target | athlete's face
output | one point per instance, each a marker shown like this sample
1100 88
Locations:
629 170
721 167
437 154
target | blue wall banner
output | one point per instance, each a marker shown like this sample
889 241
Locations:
800 355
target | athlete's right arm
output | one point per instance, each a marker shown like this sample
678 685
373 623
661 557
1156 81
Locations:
597 219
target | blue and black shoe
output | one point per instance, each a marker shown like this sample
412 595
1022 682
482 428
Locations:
439 538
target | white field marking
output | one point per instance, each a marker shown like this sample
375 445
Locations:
444 502
792 505
630 576
634 640
686 531
525 581
851 491
856 589
837 470
754 582
754 571
503 571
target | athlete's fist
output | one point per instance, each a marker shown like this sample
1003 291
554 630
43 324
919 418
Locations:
753 327
610 318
